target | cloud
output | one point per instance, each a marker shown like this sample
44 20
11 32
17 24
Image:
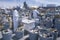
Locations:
8 4
48 1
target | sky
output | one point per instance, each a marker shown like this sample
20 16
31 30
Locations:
10 3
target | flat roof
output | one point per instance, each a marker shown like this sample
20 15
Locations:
28 21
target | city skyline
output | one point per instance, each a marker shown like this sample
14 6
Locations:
6 3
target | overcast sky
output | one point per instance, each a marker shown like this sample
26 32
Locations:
10 3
